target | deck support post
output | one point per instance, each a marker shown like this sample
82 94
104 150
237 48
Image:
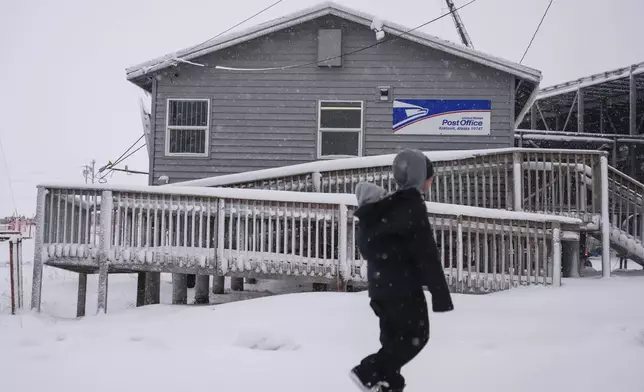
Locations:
105 243
152 288
140 289
82 295
179 289
570 256
36 288
202 290
605 223
237 284
218 284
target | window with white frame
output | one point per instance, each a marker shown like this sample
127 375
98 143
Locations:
340 128
188 125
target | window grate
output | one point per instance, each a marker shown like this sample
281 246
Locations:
188 125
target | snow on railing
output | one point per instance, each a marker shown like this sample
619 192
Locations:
561 183
626 203
540 180
472 177
260 233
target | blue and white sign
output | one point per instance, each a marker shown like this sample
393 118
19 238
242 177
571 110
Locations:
441 117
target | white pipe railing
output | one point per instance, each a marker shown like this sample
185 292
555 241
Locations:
259 233
626 210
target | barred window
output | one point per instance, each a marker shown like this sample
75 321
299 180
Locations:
188 125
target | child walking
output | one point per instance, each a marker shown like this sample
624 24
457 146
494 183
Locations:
396 239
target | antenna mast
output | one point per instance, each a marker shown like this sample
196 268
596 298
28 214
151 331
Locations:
460 27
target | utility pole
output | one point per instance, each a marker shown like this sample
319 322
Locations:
89 172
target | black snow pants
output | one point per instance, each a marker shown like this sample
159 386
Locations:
404 331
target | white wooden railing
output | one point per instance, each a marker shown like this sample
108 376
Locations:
555 182
277 235
520 179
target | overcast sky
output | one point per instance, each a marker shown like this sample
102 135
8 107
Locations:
64 99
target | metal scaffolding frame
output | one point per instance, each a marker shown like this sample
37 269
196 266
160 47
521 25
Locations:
596 106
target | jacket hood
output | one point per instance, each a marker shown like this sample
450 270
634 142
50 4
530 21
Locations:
368 193
410 169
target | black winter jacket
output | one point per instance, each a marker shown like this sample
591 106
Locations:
396 239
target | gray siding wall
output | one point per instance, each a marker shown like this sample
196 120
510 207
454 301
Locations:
269 118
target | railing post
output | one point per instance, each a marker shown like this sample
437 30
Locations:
343 267
556 255
39 250
605 223
15 273
221 226
517 181
12 283
597 188
316 177
459 251
105 243
21 299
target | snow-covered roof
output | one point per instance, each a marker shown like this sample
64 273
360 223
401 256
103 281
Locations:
325 9
619 78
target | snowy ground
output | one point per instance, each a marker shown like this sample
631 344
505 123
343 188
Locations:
585 336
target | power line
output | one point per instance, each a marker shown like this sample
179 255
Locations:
122 155
388 38
240 23
122 159
132 153
536 31
6 165
126 151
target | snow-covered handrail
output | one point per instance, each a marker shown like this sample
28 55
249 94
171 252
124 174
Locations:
614 172
330 165
273 234
626 203
301 197
522 179
357 163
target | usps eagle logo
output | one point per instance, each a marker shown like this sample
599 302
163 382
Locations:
441 117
